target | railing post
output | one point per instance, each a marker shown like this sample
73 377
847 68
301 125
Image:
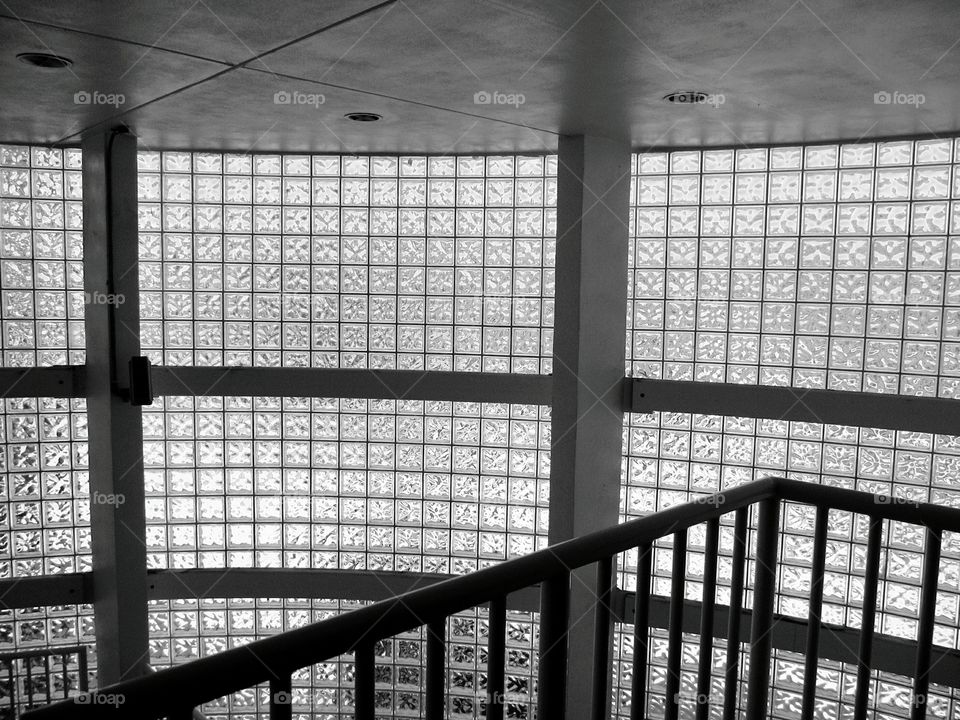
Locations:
675 630
436 669
281 698
868 619
641 634
732 668
705 670
593 181
817 567
764 587
602 628
496 648
554 629
928 610
364 681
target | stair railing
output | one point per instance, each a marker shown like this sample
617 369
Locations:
175 692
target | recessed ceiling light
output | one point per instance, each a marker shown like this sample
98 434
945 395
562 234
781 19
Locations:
687 97
362 116
45 60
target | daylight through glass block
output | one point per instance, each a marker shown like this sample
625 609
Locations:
41 256
436 263
394 485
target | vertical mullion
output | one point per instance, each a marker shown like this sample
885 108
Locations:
732 672
675 626
928 610
118 534
706 619
817 567
641 633
868 615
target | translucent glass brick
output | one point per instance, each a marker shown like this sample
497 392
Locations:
420 263
41 256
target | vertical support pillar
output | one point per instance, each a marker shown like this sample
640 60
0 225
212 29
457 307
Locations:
115 432
593 181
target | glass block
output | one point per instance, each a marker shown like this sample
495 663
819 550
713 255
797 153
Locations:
41 256
345 484
362 262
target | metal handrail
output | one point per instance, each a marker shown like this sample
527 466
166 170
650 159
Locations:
175 691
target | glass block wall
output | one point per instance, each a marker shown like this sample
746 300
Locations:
45 501
822 267
439 263
351 484
184 630
41 256
817 267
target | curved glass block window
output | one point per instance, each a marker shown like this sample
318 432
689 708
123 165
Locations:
45 500
820 267
185 630
436 263
41 256
352 484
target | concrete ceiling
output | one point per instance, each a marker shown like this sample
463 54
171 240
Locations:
205 74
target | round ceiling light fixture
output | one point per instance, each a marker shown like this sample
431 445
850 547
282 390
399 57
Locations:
363 116
687 97
48 61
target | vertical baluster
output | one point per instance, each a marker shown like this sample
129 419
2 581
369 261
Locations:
675 628
28 686
870 581
13 688
496 649
601 644
764 586
46 677
365 680
817 567
82 668
928 609
706 619
641 634
281 697
732 674
66 674
554 620
436 669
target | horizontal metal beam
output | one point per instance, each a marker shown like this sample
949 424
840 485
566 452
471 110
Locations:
350 383
829 407
890 654
66 589
61 381
326 584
